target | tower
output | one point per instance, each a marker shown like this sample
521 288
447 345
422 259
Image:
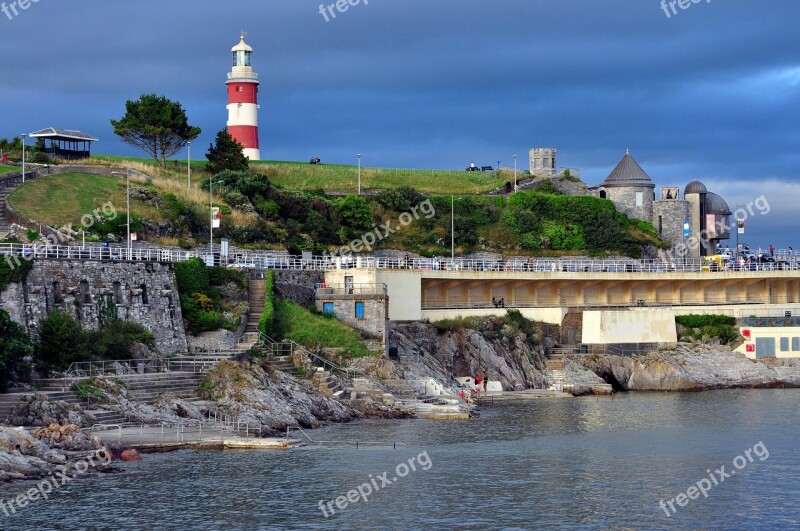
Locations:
543 162
243 100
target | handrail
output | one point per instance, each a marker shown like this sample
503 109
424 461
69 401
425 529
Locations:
266 340
783 259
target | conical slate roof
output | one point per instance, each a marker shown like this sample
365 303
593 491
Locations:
628 173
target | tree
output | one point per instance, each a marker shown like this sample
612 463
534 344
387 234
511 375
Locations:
61 341
14 346
156 125
226 154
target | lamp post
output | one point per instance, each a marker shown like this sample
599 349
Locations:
128 194
515 174
359 173
211 184
23 156
452 229
189 164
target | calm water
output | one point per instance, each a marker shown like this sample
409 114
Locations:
578 463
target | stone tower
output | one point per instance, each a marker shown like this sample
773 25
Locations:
630 189
543 162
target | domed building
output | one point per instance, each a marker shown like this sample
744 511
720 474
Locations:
699 214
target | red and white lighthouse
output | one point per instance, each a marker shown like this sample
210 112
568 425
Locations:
243 100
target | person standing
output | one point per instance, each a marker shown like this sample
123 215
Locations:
771 250
485 382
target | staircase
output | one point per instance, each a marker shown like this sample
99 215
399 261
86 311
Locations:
554 368
9 401
327 384
5 224
257 295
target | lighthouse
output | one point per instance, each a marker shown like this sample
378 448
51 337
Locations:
243 100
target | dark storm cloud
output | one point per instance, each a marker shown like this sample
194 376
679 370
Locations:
710 93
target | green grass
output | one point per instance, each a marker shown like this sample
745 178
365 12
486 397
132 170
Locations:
8 169
61 199
312 330
340 177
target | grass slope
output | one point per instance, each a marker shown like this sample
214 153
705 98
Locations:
61 199
8 169
313 330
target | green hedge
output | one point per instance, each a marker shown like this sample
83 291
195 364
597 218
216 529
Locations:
266 325
700 321
11 273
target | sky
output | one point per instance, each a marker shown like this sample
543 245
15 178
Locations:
710 92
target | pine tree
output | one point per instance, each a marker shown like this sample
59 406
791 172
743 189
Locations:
226 154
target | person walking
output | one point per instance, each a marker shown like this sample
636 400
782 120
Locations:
771 250
485 382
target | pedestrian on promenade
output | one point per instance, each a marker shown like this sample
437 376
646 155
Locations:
485 382
771 250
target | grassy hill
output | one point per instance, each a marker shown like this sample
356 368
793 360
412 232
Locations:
344 178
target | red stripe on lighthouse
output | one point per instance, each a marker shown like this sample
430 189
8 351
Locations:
246 135
242 93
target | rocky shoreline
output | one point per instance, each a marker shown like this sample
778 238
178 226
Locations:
687 367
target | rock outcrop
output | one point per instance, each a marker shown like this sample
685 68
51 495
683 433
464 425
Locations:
37 410
273 402
30 456
510 356
688 368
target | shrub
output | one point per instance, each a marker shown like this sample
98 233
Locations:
115 341
699 321
15 345
266 324
312 331
61 341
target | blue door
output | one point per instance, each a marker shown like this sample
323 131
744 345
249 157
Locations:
327 307
359 310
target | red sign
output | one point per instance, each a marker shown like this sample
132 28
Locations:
751 348
746 333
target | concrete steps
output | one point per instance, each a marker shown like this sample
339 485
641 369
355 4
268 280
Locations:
5 224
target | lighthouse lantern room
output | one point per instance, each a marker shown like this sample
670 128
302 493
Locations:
243 100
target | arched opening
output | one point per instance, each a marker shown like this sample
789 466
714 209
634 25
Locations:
603 194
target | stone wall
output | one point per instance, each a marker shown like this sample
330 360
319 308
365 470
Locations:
298 286
141 292
673 214
624 199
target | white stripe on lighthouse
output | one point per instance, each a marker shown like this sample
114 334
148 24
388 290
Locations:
242 114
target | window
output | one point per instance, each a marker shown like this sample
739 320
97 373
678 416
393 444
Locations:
639 199
603 194
784 344
359 310
795 344
327 307
660 225
239 88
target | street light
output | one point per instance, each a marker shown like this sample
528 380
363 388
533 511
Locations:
359 173
452 229
189 164
128 202
23 156
515 174
211 214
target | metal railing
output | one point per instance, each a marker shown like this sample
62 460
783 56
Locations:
288 347
345 443
351 289
784 260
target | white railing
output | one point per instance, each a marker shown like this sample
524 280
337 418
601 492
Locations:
14 253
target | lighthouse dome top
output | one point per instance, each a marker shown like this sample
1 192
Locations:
242 46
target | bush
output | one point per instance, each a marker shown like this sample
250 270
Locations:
13 273
61 341
116 340
699 321
266 324
15 345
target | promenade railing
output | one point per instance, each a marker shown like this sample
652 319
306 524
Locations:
14 253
